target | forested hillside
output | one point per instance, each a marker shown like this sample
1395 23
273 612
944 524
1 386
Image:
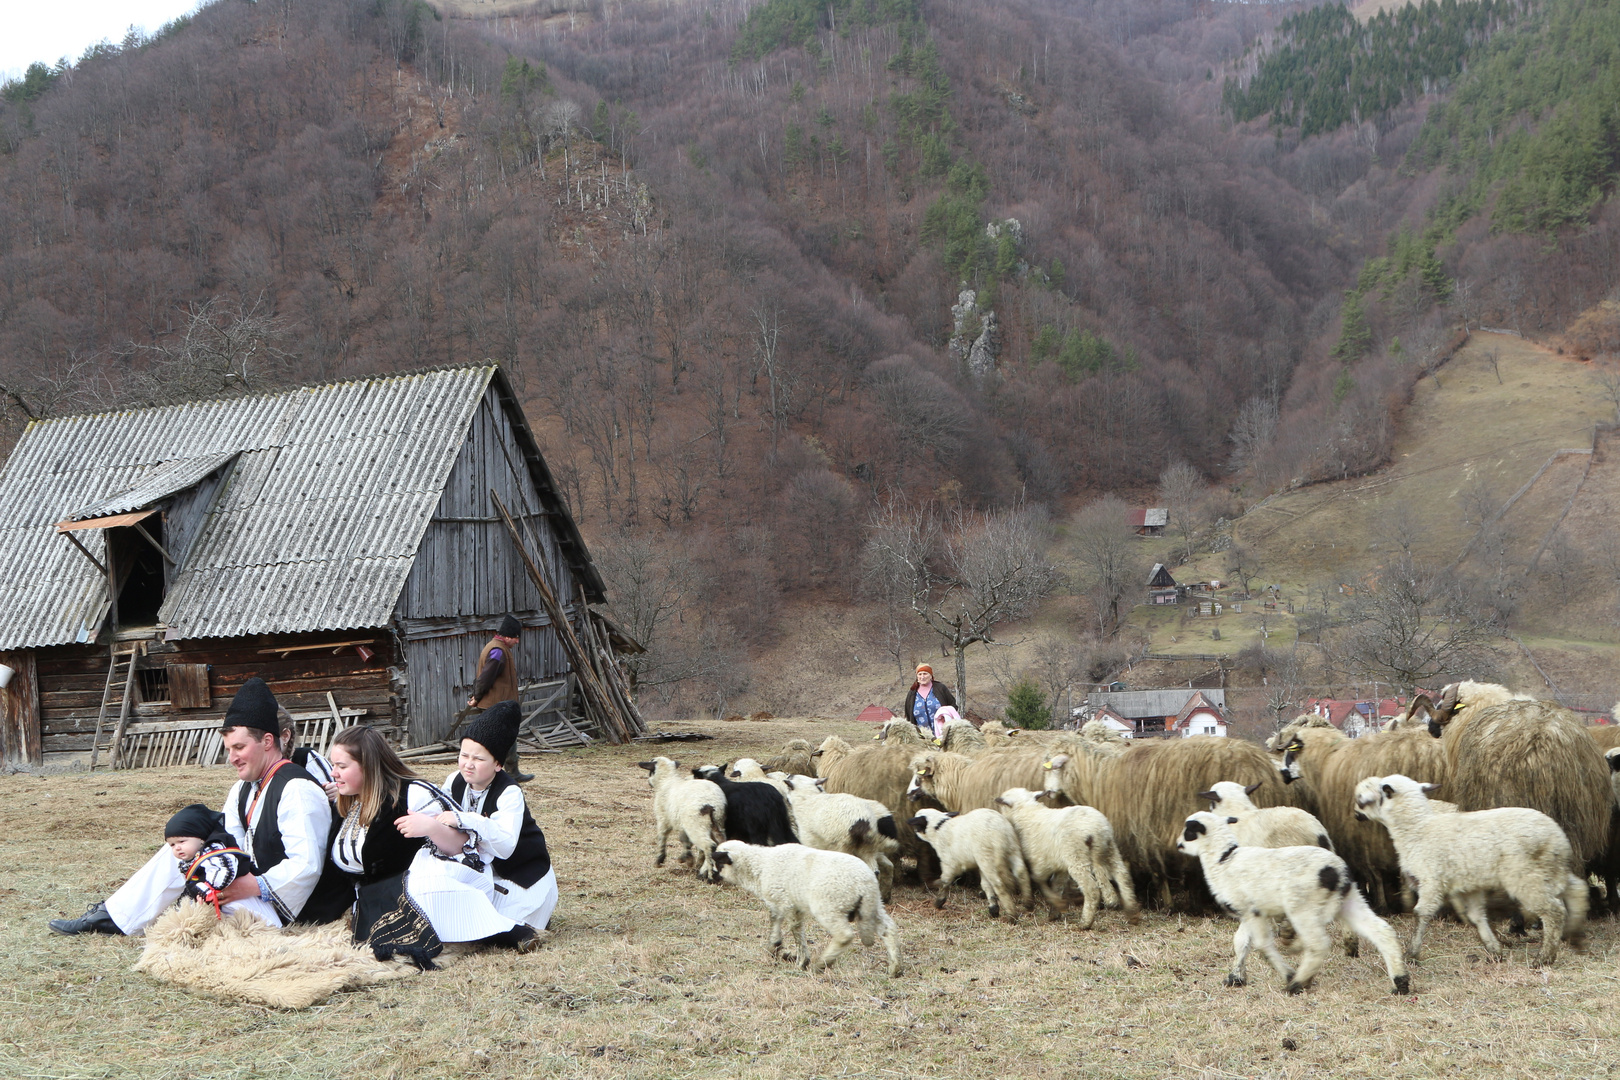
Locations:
757 267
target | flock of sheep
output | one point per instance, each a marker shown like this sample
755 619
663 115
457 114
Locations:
1534 810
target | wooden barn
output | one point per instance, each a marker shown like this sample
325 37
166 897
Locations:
340 541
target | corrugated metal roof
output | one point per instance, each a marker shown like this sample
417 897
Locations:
1135 704
316 529
155 486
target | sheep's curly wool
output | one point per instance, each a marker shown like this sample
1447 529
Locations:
240 959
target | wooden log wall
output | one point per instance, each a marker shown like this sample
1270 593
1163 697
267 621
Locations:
19 710
467 576
71 679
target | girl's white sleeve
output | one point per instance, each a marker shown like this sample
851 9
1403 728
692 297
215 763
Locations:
497 832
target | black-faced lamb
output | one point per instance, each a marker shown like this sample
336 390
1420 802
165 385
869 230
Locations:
983 840
1309 886
1075 842
747 769
864 828
756 813
696 809
1463 857
1270 826
835 889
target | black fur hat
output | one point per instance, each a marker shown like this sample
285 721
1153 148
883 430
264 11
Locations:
510 627
497 729
195 820
254 706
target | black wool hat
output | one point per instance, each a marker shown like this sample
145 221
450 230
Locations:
497 729
195 820
254 706
510 627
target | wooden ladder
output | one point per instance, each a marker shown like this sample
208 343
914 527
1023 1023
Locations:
118 693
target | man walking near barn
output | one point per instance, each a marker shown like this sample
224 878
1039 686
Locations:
498 681
276 813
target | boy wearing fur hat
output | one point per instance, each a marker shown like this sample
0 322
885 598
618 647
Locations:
493 812
275 812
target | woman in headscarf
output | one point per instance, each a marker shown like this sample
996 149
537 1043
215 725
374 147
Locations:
925 699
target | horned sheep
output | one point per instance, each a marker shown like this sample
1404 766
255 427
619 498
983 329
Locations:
1075 842
1463 857
1508 750
696 809
961 737
835 889
1309 886
978 840
794 757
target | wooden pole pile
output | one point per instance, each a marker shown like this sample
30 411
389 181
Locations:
609 709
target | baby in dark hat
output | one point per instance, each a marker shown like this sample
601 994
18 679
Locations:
208 856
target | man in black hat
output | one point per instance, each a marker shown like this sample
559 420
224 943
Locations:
498 681
275 812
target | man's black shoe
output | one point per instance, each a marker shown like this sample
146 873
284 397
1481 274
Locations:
95 920
523 777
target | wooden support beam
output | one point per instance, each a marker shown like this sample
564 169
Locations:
86 552
138 527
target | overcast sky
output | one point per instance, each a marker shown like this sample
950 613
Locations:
47 30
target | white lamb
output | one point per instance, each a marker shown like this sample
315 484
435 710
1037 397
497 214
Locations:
833 888
1464 857
694 808
864 828
979 839
1271 827
1075 842
1310 886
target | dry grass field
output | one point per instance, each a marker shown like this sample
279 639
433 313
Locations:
651 973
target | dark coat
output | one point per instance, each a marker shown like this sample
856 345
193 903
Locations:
942 694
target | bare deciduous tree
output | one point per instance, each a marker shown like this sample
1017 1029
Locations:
224 351
1414 628
962 572
1253 431
1181 490
1243 563
1101 540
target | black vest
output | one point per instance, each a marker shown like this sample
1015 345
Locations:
530 860
267 847
383 854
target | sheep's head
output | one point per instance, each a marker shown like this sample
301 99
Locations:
725 864
708 772
1419 712
922 775
1227 791
1375 793
661 766
1445 708
1203 829
1016 797
929 822
1290 763
745 767
1612 756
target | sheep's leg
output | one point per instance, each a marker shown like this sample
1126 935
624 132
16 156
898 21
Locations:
1121 875
1428 906
1576 900
947 875
798 936
663 844
891 942
1315 943
1550 908
1361 920
1052 896
1166 901
885 876
776 932
1091 888
843 936
1472 907
1242 942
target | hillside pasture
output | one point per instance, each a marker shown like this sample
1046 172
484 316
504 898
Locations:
652 974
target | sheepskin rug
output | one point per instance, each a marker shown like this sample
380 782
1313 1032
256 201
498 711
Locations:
240 959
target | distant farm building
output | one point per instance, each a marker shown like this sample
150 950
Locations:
875 714
1162 588
339 541
1356 718
1159 713
1149 522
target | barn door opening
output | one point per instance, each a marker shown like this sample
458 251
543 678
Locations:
137 567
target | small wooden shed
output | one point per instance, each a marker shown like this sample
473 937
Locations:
339 541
